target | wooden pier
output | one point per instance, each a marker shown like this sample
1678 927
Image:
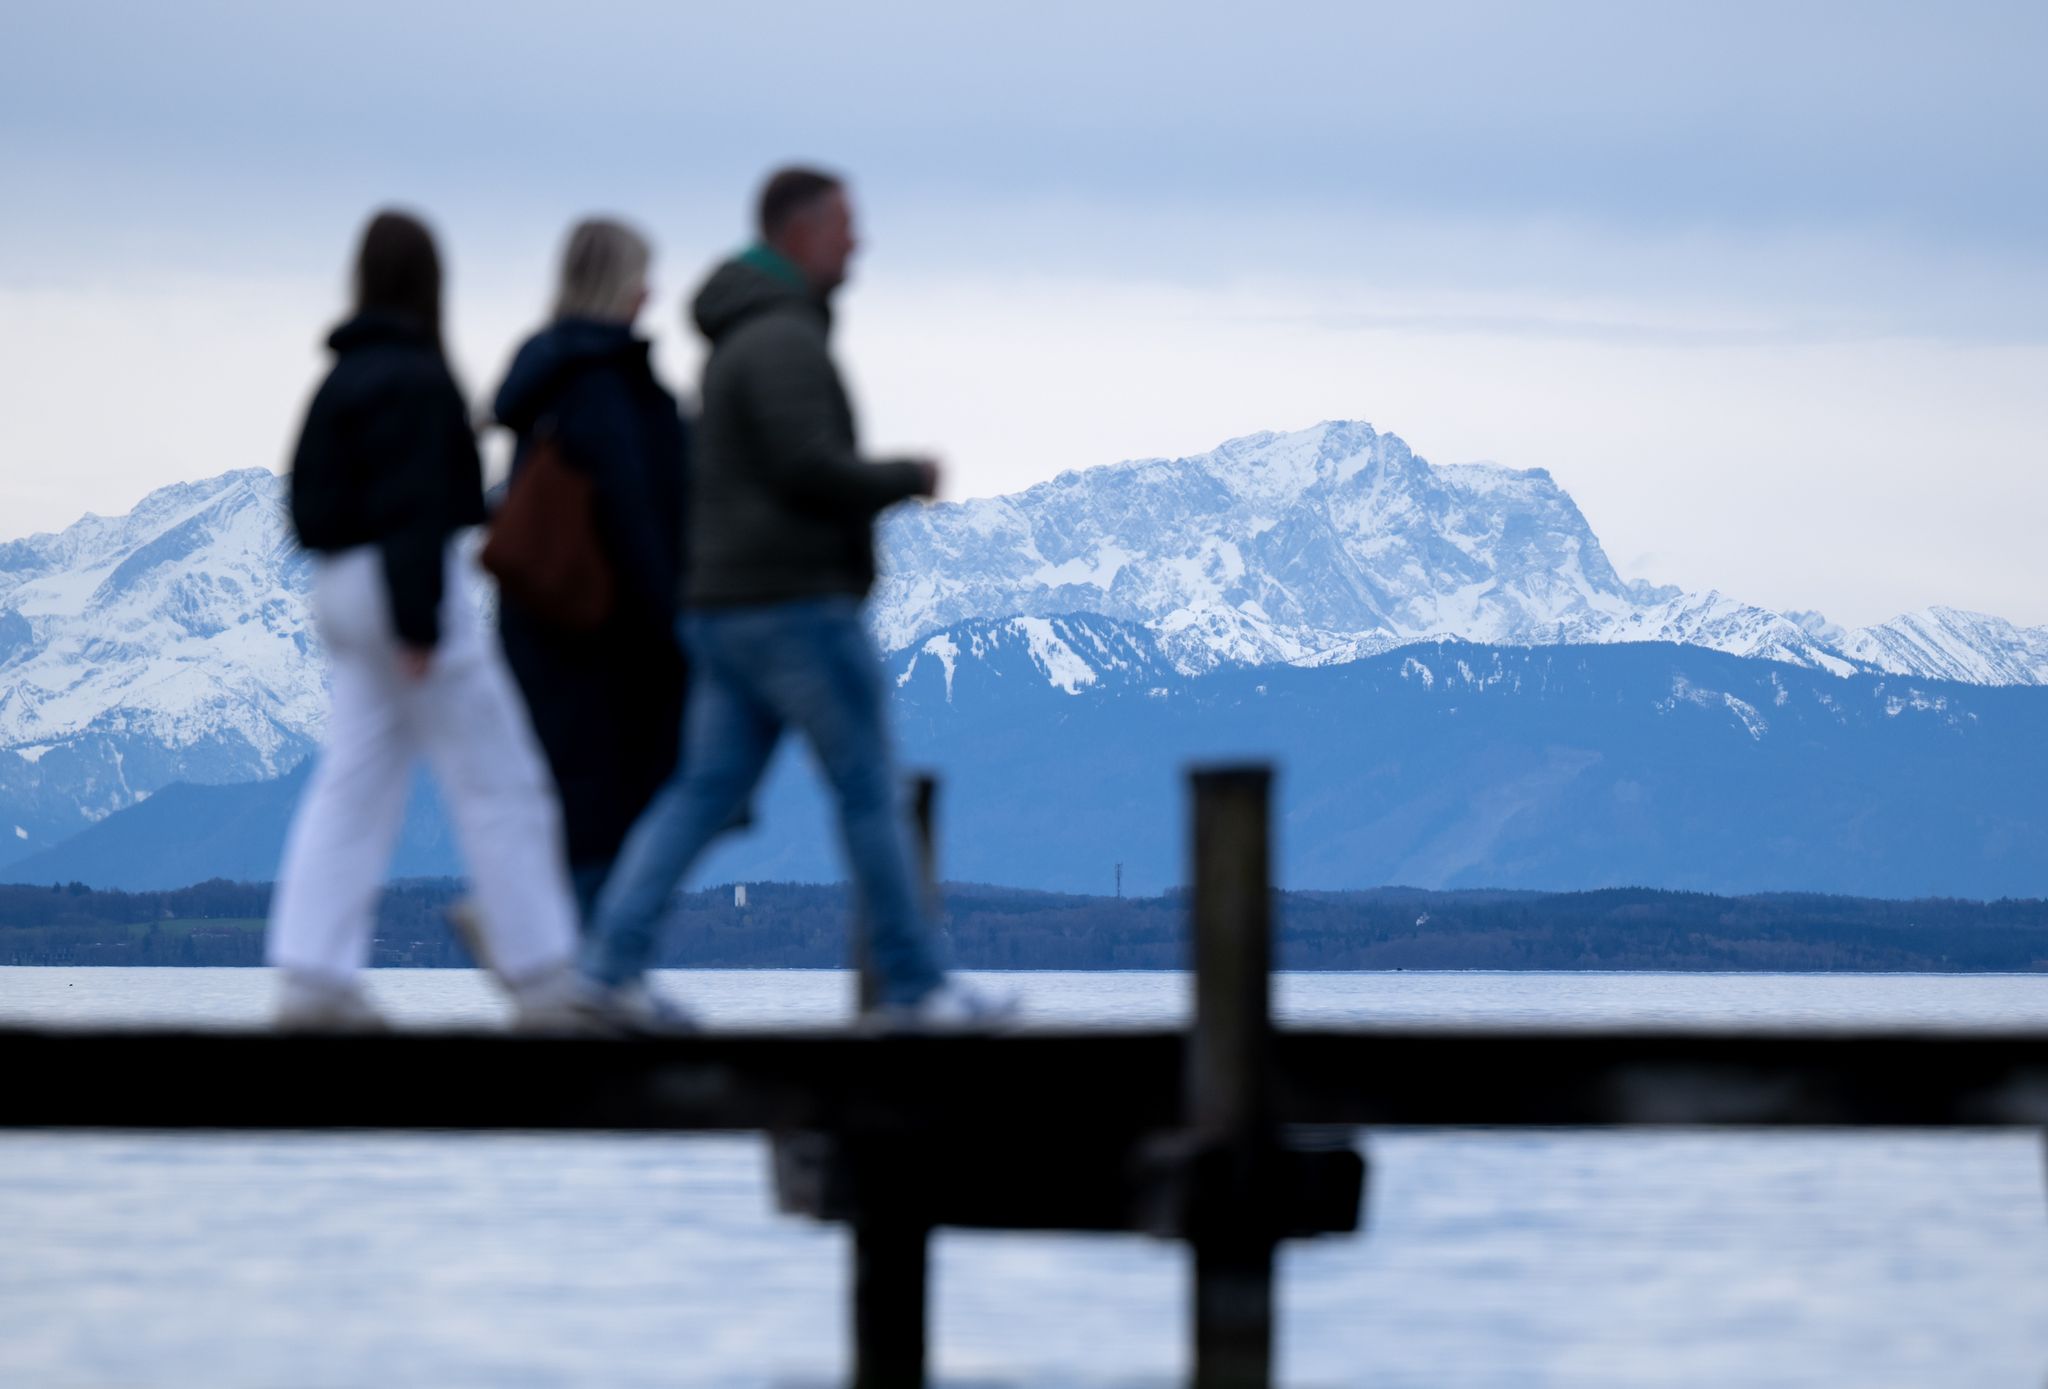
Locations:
1231 1136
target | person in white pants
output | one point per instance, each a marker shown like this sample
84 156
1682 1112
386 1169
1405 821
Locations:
463 717
384 481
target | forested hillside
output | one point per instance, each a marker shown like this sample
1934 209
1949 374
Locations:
805 926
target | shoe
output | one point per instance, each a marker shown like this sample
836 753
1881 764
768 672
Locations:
632 1010
558 1000
313 1003
953 1006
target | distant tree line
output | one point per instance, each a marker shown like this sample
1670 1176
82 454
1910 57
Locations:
797 925
212 923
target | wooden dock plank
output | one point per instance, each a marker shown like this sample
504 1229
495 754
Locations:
1657 1077
719 1081
1072 1081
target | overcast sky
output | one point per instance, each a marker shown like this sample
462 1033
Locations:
1765 286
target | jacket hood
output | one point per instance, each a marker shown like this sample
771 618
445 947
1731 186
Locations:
755 282
546 360
374 326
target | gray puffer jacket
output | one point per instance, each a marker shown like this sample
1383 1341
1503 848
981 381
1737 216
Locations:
782 506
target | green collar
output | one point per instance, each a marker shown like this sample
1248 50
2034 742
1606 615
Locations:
770 261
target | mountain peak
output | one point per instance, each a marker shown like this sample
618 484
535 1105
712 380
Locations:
1326 544
172 642
1273 469
92 539
1954 644
1270 547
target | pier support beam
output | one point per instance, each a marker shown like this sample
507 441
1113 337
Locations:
891 1254
1230 1079
1233 1314
889 1277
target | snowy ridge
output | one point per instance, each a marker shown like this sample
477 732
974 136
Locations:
1337 543
169 644
174 643
183 620
1950 644
1071 653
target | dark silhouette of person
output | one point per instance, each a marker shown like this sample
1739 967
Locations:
385 476
607 702
780 558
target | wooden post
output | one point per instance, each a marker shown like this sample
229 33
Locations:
889 1274
891 1253
1229 1077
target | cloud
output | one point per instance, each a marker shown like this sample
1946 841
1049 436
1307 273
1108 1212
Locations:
1767 287
1862 477
1918 122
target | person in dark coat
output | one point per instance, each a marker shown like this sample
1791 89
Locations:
783 509
607 702
384 478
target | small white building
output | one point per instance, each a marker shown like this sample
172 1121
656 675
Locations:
739 895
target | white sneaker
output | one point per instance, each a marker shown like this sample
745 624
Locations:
558 1000
954 1006
633 1010
318 1003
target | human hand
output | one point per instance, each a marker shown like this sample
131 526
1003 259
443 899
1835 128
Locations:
929 473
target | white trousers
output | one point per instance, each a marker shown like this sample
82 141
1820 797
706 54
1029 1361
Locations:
466 720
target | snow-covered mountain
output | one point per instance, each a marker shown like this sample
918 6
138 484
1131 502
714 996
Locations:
169 644
1313 548
1950 644
174 643
1335 543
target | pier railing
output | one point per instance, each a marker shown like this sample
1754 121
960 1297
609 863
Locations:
1231 1135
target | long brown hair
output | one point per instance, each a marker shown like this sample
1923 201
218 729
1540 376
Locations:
398 271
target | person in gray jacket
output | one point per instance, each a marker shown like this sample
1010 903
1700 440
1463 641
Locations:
780 557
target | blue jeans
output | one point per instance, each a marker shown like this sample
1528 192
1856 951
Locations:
754 671
586 880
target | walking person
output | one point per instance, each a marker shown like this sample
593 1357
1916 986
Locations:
606 699
385 474
779 559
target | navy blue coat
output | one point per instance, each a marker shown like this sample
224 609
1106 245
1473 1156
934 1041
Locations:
607 703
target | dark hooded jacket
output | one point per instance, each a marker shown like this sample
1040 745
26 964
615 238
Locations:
606 704
782 505
387 458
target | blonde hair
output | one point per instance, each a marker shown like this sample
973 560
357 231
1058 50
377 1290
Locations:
604 270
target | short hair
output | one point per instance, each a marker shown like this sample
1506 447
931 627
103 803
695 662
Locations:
791 191
604 268
398 271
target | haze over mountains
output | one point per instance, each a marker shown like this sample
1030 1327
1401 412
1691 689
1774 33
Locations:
173 644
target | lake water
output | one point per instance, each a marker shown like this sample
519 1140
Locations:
1490 1259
